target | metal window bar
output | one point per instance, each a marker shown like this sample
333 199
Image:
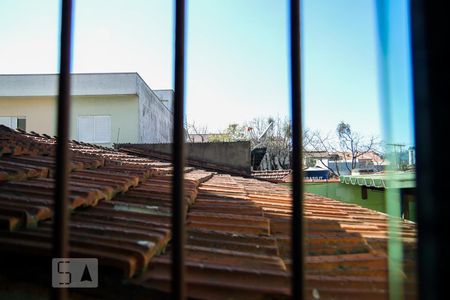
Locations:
430 58
61 220
430 259
178 204
297 284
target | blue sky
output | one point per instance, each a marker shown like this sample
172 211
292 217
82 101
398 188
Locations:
237 55
395 71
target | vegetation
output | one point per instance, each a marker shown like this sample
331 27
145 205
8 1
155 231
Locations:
347 146
275 134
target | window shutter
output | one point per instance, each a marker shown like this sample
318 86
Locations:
22 123
14 122
102 131
86 129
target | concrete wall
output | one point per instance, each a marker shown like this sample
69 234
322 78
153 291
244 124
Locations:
348 193
156 121
236 155
233 155
166 97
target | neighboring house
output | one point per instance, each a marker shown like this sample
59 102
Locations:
107 108
340 163
318 158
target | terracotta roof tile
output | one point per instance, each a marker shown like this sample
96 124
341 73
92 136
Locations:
273 175
18 171
238 229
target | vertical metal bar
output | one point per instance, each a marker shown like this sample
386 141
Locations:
178 206
430 28
61 215
297 186
392 196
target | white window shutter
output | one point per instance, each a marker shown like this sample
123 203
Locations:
86 129
14 122
102 131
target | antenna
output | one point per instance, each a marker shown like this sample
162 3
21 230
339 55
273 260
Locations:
263 134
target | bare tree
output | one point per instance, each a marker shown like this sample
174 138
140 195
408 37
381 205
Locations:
194 129
279 144
354 144
274 134
323 147
348 146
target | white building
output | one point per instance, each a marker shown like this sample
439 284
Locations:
106 108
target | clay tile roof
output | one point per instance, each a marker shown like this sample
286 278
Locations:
273 175
238 229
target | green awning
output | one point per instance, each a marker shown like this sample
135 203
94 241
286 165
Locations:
399 180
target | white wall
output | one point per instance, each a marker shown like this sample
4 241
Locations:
156 120
82 84
166 97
